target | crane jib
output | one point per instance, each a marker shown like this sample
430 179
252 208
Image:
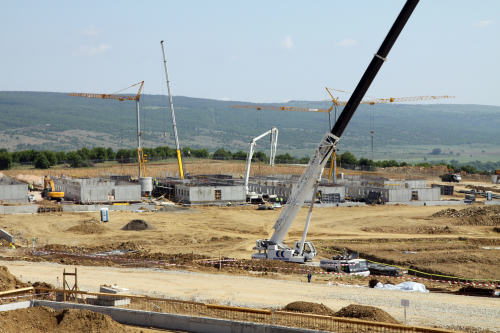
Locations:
373 68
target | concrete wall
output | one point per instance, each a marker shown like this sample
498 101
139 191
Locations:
92 190
415 183
8 237
22 209
16 193
173 322
200 194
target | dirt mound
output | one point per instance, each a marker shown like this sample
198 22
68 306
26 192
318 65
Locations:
39 284
92 226
412 230
9 281
174 209
480 216
362 312
138 225
435 170
309 307
496 229
43 319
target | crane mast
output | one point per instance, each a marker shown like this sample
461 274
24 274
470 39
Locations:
274 248
177 146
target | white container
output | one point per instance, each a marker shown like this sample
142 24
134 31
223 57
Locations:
494 179
146 185
489 195
104 215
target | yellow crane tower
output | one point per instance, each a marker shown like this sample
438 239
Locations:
142 157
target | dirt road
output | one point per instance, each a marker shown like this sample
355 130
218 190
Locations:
425 309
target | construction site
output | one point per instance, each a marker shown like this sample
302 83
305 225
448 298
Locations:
224 246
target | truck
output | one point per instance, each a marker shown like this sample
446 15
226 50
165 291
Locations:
274 248
347 264
451 177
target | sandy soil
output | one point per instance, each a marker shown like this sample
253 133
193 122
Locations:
426 309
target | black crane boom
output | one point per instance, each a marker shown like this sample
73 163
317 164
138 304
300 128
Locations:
373 68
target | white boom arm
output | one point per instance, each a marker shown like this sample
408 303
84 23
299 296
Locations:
310 176
274 142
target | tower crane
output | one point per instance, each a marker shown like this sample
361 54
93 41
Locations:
136 98
274 248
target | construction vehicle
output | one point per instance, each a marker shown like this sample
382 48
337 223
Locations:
451 177
274 248
346 263
252 196
49 190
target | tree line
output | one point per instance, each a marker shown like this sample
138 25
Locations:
84 157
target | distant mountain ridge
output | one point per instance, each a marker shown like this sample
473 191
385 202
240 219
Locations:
206 123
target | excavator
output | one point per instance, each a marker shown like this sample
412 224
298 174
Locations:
49 190
274 248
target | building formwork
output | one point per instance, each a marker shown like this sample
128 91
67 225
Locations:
12 191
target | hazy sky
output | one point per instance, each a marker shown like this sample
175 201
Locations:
255 51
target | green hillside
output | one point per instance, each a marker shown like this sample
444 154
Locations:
39 120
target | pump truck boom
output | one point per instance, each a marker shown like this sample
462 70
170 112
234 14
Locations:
274 142
274 248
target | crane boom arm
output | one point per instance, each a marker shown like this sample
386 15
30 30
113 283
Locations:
274 141
314 170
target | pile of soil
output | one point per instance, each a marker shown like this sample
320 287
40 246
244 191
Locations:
9 281
362 312
435 170
92 226
412 230
138 225
39 284
174 209
309 307
479 216
43 319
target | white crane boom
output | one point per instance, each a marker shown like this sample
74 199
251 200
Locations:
274 142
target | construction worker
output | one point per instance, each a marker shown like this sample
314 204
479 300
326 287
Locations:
309 276
319 196
281 201
31 187
229 203
241 176
362 198
277 199
379 200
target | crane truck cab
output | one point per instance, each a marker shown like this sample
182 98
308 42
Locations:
283 252
347 264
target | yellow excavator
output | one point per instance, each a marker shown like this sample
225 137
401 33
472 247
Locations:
49 190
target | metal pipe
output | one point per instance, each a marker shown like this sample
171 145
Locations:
138 135
177 146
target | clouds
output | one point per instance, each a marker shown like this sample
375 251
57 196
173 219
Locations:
90 31
286 43
225 99
483 23
347 43
89 51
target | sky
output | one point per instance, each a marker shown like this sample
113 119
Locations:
254 51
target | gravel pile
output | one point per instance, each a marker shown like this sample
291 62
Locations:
138 225
480 216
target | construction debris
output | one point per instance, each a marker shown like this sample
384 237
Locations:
138 225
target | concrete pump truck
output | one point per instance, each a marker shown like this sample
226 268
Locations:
274 248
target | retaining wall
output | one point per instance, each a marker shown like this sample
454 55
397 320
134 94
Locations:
171 321
8 237
22 209
427 203
492 202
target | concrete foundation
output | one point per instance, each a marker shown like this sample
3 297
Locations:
6 236
12 191
209 194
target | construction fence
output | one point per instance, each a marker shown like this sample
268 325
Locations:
250 315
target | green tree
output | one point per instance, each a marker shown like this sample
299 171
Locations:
241 155
84 153
260 156
202 153
348 158
122 152
111 153
186 152
222 154
436 151
51 157
5 161
61 156
75 158
41 162
99 153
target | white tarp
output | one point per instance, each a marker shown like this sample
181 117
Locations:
408 286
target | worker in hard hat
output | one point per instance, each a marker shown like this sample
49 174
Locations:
229 203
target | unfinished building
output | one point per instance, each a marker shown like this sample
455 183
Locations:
98 190
12 191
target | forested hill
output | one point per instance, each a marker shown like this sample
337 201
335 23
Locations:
40 120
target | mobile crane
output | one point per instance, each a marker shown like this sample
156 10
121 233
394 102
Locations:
274 248
274 142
